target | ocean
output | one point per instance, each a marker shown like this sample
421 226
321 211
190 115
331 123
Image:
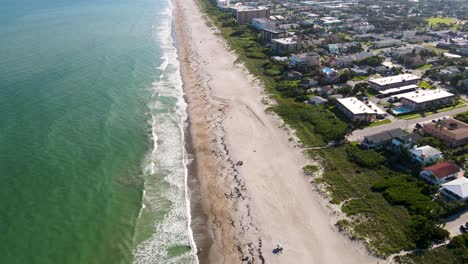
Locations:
92 158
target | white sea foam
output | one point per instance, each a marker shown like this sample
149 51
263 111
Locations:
168 158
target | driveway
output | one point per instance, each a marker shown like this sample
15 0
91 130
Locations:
408 125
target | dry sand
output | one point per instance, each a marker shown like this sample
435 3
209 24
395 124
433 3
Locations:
245 210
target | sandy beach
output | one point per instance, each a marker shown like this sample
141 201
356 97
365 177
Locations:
242 210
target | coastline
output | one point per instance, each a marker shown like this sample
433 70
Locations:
241 212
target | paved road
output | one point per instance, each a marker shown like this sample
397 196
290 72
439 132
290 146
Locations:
358 135
454 222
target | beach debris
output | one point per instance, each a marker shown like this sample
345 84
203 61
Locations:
240 163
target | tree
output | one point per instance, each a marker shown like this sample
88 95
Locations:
346 76
361 88
423 231
397 70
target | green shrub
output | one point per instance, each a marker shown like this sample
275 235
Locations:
462 117
272 72
366 158
256 55
424 232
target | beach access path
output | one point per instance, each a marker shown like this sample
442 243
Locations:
267 200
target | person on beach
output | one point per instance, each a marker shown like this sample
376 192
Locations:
278 250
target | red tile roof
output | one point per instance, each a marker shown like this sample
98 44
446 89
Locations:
443 169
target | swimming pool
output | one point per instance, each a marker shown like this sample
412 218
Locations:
401 110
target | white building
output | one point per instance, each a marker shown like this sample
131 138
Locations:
386 43
284 45
425 155
422 99
305 60
357 110
456 189
223 3
396 81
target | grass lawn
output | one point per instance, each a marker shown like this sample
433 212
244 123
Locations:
360 78
433 21
425 67
409 116
381 122
345 36
434 48
426 85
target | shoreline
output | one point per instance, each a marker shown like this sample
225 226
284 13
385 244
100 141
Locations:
242 210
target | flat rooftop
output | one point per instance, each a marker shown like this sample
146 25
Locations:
400 89
358 107
285 41
420 96
394 79
248 8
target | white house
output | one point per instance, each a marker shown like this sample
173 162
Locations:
425 155
456 189
440 173
222 4
317 100
305 60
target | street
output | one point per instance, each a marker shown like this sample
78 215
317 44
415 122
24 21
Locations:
358 135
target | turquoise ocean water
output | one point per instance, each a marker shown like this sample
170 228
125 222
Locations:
92 164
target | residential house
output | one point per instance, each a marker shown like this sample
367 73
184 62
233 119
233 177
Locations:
305 60
330 74
359 71
381 139
425 155
367 37
362 55
456 189
412 60
463 51
362 27
223 4
449 71
451 131
440 173
317 100
292 75
343 61
308 82
326 90
342 47
407 141
386 43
